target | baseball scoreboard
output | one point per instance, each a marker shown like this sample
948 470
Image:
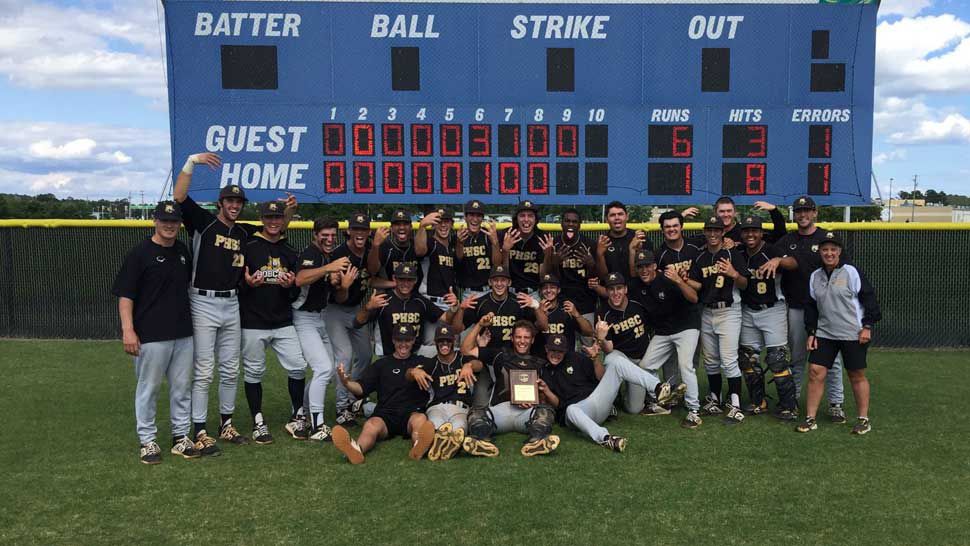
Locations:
579 103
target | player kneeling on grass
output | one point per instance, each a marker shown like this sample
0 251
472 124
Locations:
450 385
400 402
156 324
839 320
535 420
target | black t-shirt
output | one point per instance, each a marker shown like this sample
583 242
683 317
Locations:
416 310
617 255
445 384
760 290
156 278
667 308
525 258
313 297
559 323
804 248
268 306
572 381
716 287
395 394
628 328
392 255
502 362
476 262
218 248
506 312
441 268
573 275
357 290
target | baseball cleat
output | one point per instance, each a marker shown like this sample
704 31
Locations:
614 413
345 417
542 446
206 445
261 434
357 408
321 434
185 448
615 443
229 433
663 393
297 428
653 408
785 414
862 426
456 438
422 440
837 414
711 405
676 396
479 448
756 409
344 444
807 426
442 437
692 420
734 415
150 453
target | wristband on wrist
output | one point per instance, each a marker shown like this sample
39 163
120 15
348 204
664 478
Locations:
189 164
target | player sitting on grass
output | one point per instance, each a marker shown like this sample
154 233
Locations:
400 403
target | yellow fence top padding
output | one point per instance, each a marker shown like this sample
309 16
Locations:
652 226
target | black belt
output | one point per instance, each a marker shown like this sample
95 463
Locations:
475 288
760 306
718 305
458 403
216 293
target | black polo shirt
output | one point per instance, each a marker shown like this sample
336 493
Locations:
572 381
268 306
156 278
395 394
804 248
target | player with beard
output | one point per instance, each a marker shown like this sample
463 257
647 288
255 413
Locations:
477 250
524 248
613 248
572 262
393 246
554 316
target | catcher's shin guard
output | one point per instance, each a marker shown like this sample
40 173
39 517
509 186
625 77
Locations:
777 361
754 375
481 424
540 422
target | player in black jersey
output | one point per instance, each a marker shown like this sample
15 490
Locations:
449 383
524 248
801 258
726 211
400 402
506 309
393 246
718 275
555 316
573 263
439 249
352 346
500 415
764 324
477 250
621 332
613 248
317 277
675 249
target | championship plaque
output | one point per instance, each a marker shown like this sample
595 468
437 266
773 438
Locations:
523 386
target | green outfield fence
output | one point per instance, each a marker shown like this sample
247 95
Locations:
56 276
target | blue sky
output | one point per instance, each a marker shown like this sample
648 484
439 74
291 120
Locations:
84 112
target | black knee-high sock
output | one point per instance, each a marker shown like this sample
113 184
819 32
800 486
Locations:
296 387
714 385
734 387
224 417
197 428
254 395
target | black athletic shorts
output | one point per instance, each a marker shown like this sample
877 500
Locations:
395 420
853 353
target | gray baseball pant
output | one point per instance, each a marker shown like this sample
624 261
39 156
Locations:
762 328
636 390
440 414
720 334
318 352
351 347
510 418
680 348
216 333
286 345
797 338
155 362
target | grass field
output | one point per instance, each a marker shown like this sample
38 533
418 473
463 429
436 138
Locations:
71 474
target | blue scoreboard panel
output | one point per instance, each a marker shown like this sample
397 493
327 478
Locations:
582 103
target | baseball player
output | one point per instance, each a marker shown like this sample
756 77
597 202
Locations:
449 383
613 248
265 303
573 263
582 390
440 253
394 246
477 250
557 317
621 332
764 324
400 402
718 275
156 328
484 422
318 275
524 248
726 211
802 245
669 302
351 346
217 247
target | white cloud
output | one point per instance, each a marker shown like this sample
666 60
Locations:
929 54
77 148
117 156
953 129
51 182
906 8
893 155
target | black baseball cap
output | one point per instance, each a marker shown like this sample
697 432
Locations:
803 202
614 279
644 257
404 332
358 220
499 271
549 279
405 271
400 215
714 223
232 190
527 205
831 238
474 207
168 211
752 222
271 208
557 342
446 214
444 333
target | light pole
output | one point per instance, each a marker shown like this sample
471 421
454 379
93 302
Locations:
912 217
890 199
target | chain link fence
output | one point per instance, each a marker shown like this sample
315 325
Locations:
56 277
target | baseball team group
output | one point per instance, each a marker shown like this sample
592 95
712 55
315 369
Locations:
425 332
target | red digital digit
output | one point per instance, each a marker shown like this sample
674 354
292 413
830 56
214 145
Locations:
451 140
451 177
363 139
393 177
422 177
333 139
538 178
479 177
754 178
508 178
480 140
364 177
392 139
334 177
421 140
759 138
687 178
681 145
538 137
566 140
